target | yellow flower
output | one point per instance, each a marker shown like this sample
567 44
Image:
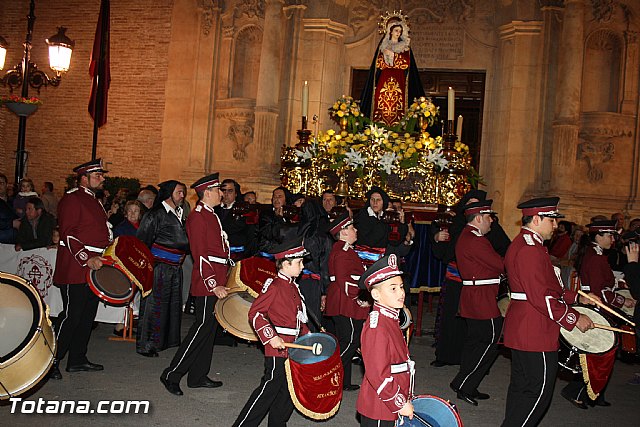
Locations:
338 137
394 135
407 135
395 149
427 114
344 133
411 150
343 143
403 146
432 146
343 107
419 145
423 105
388 145
367 131
340 113
342 151
332 151
356 113
335 106
331 132
407 155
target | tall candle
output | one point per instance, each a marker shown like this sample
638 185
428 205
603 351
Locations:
452 104
459 128
305 99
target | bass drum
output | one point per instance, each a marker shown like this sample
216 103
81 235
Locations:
27 342
232 313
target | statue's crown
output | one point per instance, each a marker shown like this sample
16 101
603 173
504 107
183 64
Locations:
390 17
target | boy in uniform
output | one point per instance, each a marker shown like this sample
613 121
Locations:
278 316
386 387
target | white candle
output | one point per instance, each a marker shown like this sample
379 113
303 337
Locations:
459 128
305 99
452 104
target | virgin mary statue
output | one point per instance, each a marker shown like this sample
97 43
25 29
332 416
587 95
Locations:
393 79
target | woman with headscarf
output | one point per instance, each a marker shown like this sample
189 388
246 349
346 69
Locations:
375 236
162 229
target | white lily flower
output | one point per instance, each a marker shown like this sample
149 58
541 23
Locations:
437 158
377 132
354 158
386 162
304 155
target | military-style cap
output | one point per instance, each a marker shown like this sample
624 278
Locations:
381 270
290 249
341 222
481 207
206 182
91 166
603 226
542 206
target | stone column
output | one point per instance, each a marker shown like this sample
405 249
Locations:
266 113
567 118
631 66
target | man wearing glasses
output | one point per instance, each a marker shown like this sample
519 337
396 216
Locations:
239 225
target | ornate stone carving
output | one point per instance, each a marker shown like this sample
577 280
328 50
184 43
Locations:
631 37
595 154
250 8
228 31
241 134
207 9
604 40
604 10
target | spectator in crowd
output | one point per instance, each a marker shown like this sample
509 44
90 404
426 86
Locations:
561 241
36 228
146 197
49 199
297 200
619 218
328 200
250 197
9 222
26 192
133 214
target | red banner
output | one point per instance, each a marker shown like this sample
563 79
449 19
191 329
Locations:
316 389
596 370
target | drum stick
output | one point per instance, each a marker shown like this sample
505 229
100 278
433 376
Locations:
611 328
316 348
610 310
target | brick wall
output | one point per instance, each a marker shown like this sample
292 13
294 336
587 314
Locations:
59 135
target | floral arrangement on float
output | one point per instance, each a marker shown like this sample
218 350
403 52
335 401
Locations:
404 159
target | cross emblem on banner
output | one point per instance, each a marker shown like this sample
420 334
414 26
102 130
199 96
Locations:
35 275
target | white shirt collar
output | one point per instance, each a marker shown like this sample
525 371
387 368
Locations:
177 212
372 213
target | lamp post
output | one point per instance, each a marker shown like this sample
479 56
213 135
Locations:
27 74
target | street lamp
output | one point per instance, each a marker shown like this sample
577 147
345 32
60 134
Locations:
27 74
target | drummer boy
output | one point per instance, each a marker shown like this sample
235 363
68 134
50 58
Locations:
386 388
278 316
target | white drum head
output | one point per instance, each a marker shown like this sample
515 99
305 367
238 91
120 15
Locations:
594 340
17 318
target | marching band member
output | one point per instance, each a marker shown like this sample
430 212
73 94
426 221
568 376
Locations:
278 316
539 307
480 267
388 380
84 233
596 277
211 254
343 305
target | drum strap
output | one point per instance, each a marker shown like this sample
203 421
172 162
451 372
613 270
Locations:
481 282
87 247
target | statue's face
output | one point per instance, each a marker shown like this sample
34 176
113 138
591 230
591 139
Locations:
396 32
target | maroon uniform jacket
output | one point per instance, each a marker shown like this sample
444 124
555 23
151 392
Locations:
84 233
210 251
539 303
386 382
480 267
345 269
278 311
596 276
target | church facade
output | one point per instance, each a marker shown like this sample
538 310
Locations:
204 85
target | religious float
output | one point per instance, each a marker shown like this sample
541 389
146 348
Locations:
386 139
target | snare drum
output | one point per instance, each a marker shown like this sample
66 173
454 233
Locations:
128 263
27 342
232 313
432 411
593 341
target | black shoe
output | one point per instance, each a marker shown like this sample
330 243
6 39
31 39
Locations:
467 398
173 388
438 363
357 360
574 402
55 373
118 333
602 402
207 383
85 367
350 387
480 396
151 353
